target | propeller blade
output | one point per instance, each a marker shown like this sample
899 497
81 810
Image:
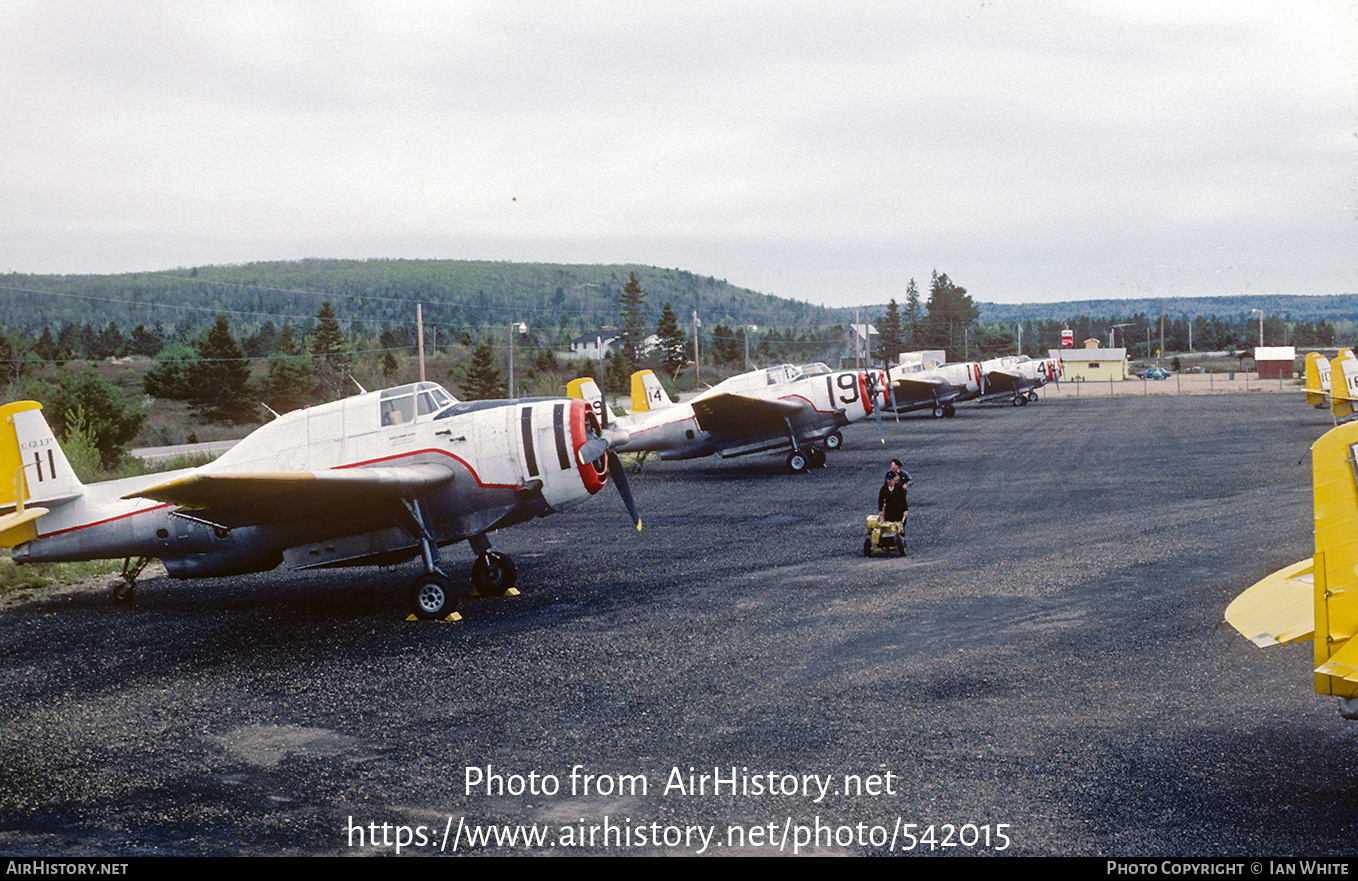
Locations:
592 449
619 475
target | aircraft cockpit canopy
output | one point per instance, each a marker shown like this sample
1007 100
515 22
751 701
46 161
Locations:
404 404
820 368
782 373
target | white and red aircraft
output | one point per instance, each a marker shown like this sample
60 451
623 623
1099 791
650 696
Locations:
372 479
778 408
1018 377
938 389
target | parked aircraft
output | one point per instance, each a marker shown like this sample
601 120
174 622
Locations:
909 387
1018 378
1317 599
1344 386
372 479
778 408
1317 380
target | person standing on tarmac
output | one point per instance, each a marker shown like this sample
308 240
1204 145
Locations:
891 500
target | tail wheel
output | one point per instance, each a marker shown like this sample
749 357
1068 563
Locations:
432 597
123 592
493 574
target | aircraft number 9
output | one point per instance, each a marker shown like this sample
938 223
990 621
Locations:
847 382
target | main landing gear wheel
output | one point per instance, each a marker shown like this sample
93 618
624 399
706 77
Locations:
834 440
493 574
432 596
1032 396
816 456
1019 401
938 412
124 592
797 462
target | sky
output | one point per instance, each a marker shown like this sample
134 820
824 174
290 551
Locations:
825 151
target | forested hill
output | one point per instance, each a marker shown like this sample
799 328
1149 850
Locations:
1336 308
455 293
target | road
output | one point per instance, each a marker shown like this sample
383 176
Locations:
1047 669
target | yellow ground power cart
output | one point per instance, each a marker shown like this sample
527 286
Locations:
885 536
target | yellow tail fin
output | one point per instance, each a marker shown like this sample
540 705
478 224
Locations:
33 471
1317 379
647 392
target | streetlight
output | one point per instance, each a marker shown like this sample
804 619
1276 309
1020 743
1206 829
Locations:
521 328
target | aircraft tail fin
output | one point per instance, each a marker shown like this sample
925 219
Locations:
647 392
1336 580
1343 385
33 471
1317 379
1317 599
587 390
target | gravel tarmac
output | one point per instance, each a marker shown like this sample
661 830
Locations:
1046 673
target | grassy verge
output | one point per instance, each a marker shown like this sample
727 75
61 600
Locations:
16 579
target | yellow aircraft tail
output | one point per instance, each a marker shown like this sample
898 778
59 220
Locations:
37 471
587 390
1344 385
1317 380
647 392
1318 598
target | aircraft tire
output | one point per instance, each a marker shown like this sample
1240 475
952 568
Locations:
493 574
938 413
1018 401
432 597
796 462
834 440
123 592
1023 400
1032 396
867 547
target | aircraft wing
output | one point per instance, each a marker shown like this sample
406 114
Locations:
237 499
1277 609
920 389
728 414
1006 381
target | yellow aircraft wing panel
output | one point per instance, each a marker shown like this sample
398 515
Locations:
1277 609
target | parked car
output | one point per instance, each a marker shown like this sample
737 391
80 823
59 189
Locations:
1154 373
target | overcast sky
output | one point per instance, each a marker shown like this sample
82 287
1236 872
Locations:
827 151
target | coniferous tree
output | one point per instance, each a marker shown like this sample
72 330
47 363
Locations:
483 380
330 354
890 338
221 378
673 351
913 317
633 306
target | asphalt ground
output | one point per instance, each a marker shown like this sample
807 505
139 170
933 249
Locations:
1046 672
